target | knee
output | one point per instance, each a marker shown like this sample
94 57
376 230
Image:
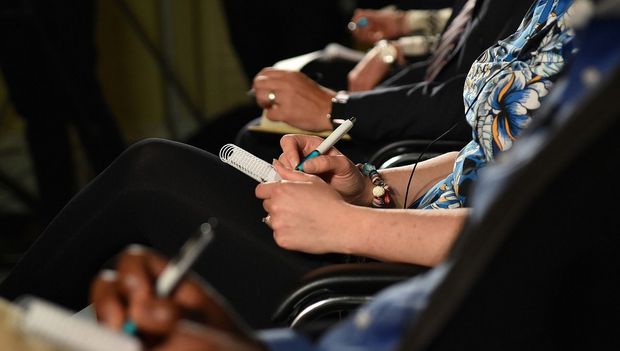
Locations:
148 155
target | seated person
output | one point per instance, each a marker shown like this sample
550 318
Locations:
421 101
555 306
158 192
412 35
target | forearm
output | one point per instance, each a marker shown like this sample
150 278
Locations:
427 174
411 236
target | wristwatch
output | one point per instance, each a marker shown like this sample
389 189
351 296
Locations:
387 51
336 116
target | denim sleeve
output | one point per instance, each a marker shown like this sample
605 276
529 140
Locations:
285 339
378 326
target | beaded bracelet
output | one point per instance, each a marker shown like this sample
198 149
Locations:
381 197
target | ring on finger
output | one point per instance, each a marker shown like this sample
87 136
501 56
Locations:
267 220
271 96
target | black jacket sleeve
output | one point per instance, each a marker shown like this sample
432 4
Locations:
415 111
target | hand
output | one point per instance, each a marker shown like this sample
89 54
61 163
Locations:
382 24
128 293
334 168
371 69
306 213
299 101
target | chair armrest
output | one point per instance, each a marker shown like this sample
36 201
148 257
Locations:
408 151
338 288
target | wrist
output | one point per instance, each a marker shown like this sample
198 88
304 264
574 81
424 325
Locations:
403 23
324 119
338 108
381 192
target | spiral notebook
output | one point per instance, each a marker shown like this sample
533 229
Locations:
249 164
34 324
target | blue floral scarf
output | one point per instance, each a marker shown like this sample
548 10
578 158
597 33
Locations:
504 85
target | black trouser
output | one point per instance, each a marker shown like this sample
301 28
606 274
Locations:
156 194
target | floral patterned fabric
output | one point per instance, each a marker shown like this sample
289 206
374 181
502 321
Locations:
504 85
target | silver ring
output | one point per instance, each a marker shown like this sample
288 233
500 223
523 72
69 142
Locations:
267 220
271 97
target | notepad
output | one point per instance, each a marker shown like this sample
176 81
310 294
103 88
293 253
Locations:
249 164
53 327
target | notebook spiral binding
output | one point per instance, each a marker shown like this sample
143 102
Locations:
247 163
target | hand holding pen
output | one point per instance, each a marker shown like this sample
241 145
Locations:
176 269
369 26
192 315
128 297
329 142
332 166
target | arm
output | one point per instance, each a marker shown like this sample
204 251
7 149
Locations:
411 236
421 110
411 111
309 215
427 174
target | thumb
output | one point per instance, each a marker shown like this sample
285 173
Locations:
338 164
290 174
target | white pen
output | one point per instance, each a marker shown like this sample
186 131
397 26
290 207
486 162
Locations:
330 141
178 266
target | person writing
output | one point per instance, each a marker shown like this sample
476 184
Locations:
158 191
550 307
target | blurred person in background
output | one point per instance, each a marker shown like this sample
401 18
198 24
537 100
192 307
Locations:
48 59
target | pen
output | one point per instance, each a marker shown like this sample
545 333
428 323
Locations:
330 141
360 23
178 266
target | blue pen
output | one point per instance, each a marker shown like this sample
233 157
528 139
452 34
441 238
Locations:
176 269
330 141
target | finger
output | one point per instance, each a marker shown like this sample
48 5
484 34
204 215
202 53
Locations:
271 82
135 279
292 175
263 86
291 149
285 161
327 164
191 295
275 113
263 191
273 72
268 205
296 146
378 35
107 301
154 316
262 96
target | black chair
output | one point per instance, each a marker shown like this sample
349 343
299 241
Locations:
406 152
328 294
527 275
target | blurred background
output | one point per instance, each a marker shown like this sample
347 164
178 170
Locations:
82 79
